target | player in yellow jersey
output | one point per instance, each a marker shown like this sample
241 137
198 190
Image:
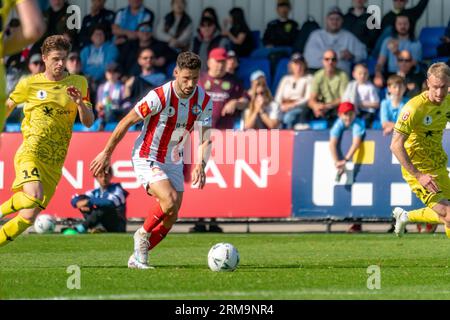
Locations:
417 144
32 27
51 102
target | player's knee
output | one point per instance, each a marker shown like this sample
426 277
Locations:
169 203
30 200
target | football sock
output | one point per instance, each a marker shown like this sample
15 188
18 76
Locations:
153 219
13 228
20 200
447 231
426 215
158 234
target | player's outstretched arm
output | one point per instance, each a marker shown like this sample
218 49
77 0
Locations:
32 27
103 159
10 105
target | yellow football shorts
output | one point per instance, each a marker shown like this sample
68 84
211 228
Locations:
428 198
29 169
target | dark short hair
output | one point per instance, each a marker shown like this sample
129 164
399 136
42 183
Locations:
189 60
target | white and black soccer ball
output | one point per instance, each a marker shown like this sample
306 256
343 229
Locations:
44 223
223 257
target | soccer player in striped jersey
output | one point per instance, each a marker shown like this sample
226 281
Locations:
169 113
32 27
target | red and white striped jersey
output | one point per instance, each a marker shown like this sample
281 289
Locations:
167 120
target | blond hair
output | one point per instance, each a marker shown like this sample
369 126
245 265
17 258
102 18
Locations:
440 70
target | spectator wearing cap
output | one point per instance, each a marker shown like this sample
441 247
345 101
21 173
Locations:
225 91
262 112
73 63
110 96
95 57
129 52
148 77
176 29
414 77
208 38
128 19
342 161
236 29
349 49
293 94
402 39
347 120
355 21
232 63
283 31
98 15
363 95
327 88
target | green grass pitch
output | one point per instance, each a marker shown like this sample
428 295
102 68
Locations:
273 266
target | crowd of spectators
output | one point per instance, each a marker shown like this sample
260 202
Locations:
126 53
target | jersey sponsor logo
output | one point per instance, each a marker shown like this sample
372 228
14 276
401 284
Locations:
170 111
405 116
226 85
41 94
48 111
196 110
427 120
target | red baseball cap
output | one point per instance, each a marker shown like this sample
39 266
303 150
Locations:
345 107
218 54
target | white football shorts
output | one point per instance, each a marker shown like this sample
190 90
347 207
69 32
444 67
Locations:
148 172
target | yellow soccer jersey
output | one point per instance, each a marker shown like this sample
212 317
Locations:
49 115
424 123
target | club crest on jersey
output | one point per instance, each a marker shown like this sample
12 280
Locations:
41 94
226 85
170 111
405 116
427 120
196 110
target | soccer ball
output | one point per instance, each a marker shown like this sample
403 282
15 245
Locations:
45 223
223 257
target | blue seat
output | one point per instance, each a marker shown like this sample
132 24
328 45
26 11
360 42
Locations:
440 59
318 124
280 71
257 42
248 65
170 68
264 52
371 63
430 38
79 127
110 126
12 127
376 125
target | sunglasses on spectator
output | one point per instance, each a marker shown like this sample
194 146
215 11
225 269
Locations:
404 60
330 59
38 63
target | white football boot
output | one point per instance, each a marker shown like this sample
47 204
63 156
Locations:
134 264
139 258
401 220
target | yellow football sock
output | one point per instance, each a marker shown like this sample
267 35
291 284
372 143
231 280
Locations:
13 228
425 215
20 200
447 231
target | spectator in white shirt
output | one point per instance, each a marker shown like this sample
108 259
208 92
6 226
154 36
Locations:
363 95
293 94
349 49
